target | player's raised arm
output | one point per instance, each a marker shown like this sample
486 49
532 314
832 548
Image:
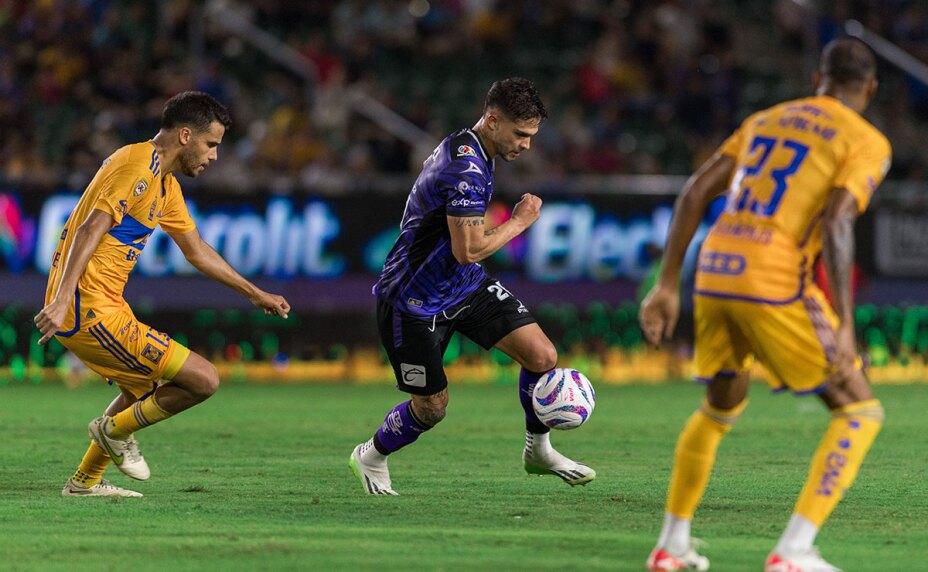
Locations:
87 237
471 241
205 259
661 307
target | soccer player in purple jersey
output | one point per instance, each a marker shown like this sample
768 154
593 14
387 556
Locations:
432 286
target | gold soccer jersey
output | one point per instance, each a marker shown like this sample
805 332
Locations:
100 328
754 294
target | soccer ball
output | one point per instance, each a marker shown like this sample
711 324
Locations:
563 399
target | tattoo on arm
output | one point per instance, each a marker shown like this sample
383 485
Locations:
490 231
469 221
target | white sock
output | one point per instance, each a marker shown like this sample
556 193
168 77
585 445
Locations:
675 535
537 443
370 455
798 537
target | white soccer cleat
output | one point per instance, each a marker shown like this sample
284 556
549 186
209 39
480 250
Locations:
661 560
542 459
102 489
124 453
374 477
806 561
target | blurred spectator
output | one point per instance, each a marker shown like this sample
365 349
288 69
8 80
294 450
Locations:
633 86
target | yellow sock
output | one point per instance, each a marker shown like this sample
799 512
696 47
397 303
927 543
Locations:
138 415
92 466
695 456
838 458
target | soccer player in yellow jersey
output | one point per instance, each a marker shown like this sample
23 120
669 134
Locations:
132 193
797 175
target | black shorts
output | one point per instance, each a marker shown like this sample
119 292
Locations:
416 346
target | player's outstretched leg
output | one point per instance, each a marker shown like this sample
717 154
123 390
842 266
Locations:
532 349
856 419
402 426
196 380
88 478
694 458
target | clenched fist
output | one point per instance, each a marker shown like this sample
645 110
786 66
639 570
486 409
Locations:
527 210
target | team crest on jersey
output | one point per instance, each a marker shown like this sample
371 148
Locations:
152 354
466 151
140 187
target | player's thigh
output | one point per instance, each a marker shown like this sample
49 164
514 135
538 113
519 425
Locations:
415 347
492 313
131 354
197 375
530 347
721 350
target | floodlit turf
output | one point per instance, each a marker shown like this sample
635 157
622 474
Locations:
257 477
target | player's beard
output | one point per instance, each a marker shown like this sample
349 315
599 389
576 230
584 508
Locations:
188 163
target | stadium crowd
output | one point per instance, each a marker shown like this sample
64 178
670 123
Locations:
634 87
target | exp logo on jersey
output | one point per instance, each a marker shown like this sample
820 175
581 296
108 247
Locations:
467 203
466 151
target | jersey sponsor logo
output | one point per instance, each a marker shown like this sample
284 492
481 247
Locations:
152 354
413 375
466 151
463 187
140 187
414 302
151 210
722 263
472 168
464 203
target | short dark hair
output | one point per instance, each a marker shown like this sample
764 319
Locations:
194 108
847 61
517 98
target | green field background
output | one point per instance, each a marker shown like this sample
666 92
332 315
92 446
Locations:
257 478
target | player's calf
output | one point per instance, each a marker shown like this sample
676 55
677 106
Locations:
401 427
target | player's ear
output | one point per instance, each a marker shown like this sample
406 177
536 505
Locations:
492 121
872 86
183 135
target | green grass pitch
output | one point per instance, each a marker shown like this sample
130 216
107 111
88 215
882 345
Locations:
257 477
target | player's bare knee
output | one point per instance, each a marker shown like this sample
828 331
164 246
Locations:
543 358
430 410
205 382
210 380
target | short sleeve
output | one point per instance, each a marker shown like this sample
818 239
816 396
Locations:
175 217
122 186
864 169
734 144
466 187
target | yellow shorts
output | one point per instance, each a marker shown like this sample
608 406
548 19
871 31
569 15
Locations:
126 351
794 341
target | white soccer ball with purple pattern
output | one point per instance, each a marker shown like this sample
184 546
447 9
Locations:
563 399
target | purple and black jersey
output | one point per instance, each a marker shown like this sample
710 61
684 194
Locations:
421 275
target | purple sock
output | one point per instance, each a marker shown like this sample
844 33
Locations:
527 381
400 428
